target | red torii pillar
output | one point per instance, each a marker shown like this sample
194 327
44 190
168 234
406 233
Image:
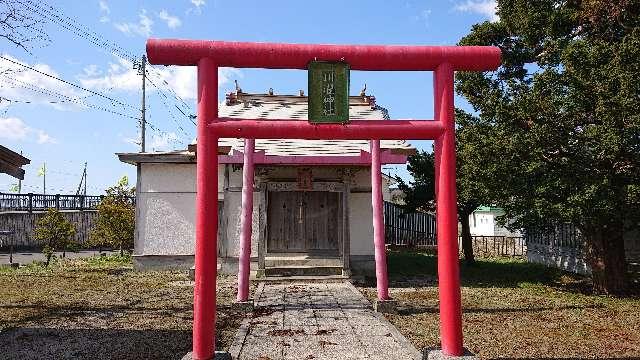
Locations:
246 218
382 282
209 55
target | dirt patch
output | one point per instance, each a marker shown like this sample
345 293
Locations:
512 309
81 310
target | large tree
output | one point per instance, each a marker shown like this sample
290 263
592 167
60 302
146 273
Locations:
559 122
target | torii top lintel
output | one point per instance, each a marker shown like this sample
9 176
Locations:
297 56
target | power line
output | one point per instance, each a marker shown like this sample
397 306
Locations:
169 111
49 92
70 24
69 83
57 16
187 107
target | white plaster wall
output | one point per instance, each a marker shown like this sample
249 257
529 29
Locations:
234 224
166 204
361 224
481 223
167 224
167 209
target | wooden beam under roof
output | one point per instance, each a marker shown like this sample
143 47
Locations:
11 163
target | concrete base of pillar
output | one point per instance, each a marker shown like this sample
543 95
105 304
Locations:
434 354
244 306
386 306
220 355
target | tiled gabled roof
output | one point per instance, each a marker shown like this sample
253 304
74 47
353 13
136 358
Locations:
265 106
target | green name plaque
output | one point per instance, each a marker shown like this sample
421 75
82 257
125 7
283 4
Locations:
328 92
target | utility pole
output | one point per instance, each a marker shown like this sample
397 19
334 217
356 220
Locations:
19 183
83 180
143 122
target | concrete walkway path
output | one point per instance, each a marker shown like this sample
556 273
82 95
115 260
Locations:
317 321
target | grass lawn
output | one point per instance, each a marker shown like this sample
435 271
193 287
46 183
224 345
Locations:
513 309
101 308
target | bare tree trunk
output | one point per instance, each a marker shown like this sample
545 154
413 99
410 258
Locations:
604 250
467 244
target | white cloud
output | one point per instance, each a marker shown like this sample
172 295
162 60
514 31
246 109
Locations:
425 15
163 141
142 27
15 129
19 84
486 8
172 21
104 8
198 7
121 76
44 138
104 11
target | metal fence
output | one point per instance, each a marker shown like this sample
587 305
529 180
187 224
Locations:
490 246
412 229
41 202
560 235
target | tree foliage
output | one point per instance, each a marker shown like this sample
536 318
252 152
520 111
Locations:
115 223
559 123
54 232
420 193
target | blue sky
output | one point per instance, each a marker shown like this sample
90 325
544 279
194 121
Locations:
83 128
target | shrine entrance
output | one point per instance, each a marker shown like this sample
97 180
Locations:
208 56
304 222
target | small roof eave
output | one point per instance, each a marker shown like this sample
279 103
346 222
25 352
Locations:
11 163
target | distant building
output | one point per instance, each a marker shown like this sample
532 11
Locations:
312 198
483 222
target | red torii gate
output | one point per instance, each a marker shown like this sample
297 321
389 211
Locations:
443 60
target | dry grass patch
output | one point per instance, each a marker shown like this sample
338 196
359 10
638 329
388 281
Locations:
101 308
512 309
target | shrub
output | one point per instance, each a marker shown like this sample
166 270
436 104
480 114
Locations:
54 232
115 223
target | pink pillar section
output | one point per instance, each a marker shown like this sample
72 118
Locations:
378 222
204 293
246 218
446 215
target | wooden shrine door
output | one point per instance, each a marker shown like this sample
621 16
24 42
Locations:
304 221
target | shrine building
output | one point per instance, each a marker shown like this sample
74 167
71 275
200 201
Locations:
312 206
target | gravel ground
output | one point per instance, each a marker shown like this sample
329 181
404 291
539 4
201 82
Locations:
102 308
515 310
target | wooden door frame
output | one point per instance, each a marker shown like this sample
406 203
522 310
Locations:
323 186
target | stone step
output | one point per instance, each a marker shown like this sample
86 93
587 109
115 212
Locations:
302 279
278 260
302 270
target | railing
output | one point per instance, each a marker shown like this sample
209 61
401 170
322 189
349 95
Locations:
489 246
40 202
408 229
555 235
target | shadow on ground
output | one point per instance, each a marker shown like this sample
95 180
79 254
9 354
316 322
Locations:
49 343
405 268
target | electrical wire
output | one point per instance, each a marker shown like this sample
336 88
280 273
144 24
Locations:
68 83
